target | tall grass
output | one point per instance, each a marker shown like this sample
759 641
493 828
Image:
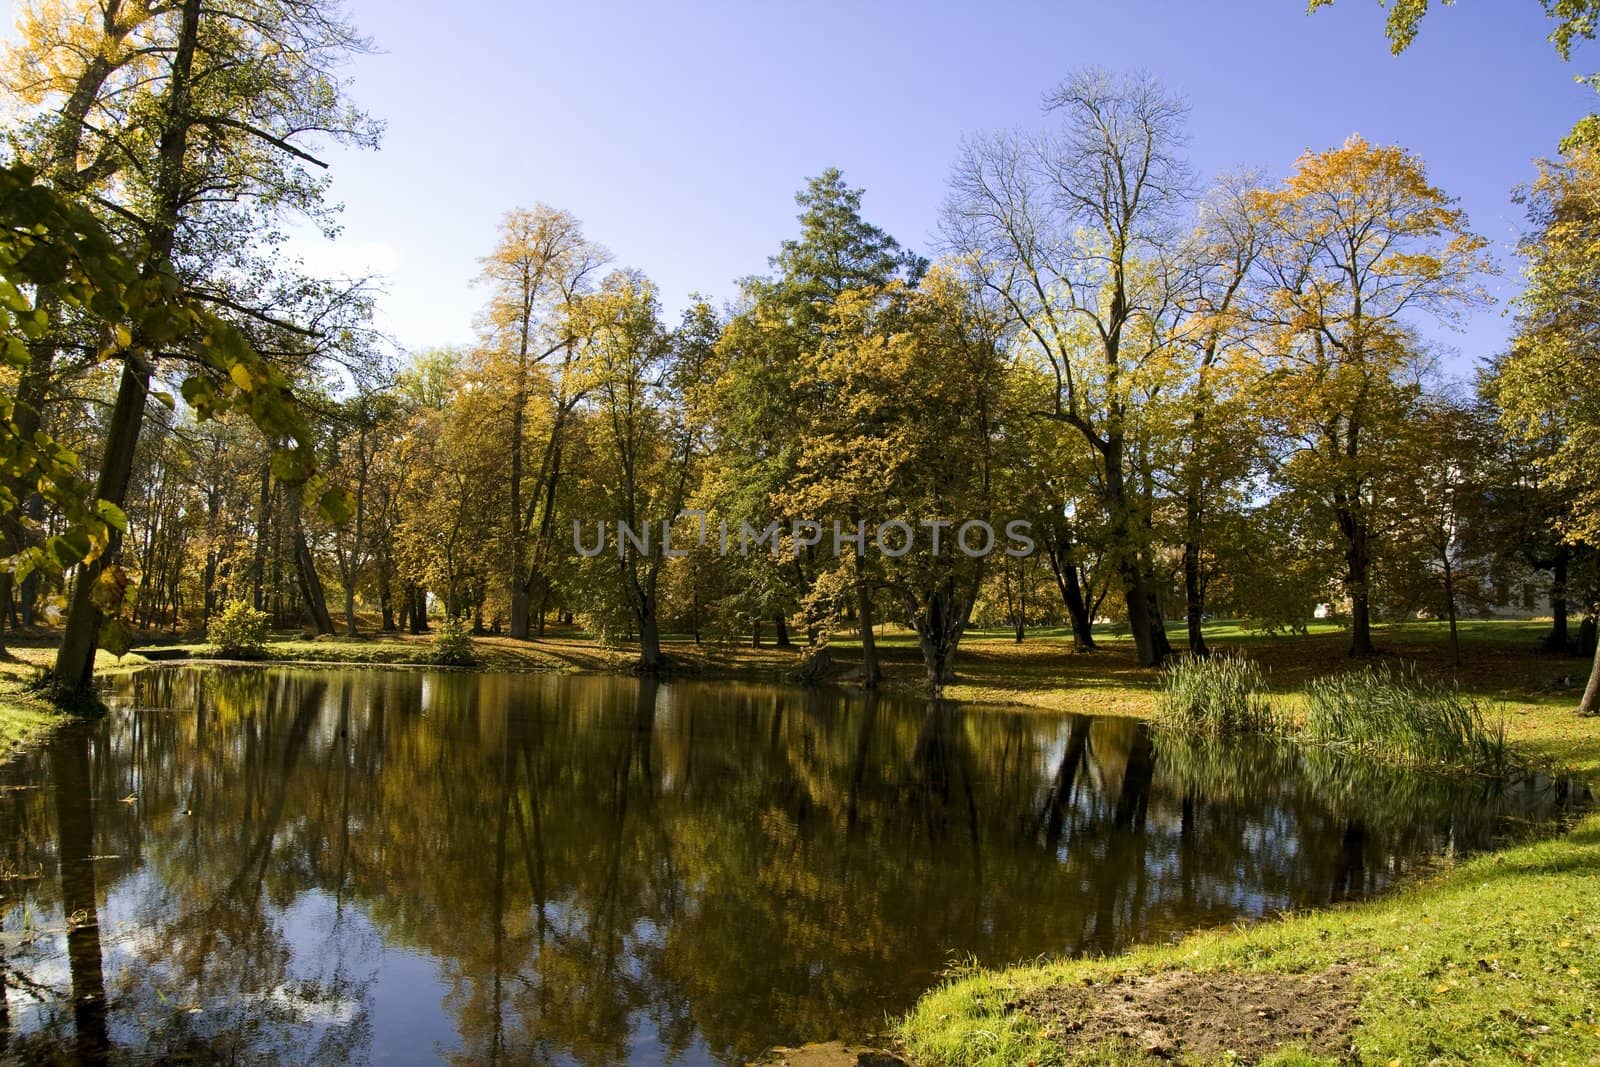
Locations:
1220 694
1401 716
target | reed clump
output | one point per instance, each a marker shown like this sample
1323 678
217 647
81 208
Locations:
1216 695
1399 715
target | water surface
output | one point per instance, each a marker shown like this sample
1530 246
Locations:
324 866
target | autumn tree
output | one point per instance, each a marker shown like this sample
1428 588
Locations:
641 438
781 321
541 264
1547 384
1448 449
213 143
1358 244
909 403
1213 337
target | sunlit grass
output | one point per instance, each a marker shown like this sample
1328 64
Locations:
23 716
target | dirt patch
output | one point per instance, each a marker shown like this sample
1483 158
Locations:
1177 1014
829 1054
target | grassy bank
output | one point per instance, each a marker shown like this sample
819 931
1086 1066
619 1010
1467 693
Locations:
23 717
1494 960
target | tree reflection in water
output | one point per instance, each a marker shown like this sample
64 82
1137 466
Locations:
324 866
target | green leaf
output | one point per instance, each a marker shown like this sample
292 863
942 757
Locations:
112 514
115 637
336 504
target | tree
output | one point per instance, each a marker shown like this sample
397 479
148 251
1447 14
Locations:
1214 335
906 402
49 244
1447 449
206 155
1548 386
1356 243
450 472
641 435
763 349
540 266
1070 231
81 75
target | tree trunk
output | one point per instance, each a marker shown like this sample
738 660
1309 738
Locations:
1160 646
650 658
418 606
780 626
1194 597
258 565
1450 610
1558 639
5 612
1590 705
306 571
350 612
1123 530
1066 575
521 616
871 672
1357 578
386 604
74 669
940 620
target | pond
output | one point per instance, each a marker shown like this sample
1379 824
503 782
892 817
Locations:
326 866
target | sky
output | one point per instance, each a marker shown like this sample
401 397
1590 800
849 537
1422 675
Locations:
679 133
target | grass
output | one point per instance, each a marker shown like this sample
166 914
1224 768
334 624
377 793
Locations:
1496 960
23 717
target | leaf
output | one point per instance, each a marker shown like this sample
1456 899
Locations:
336 504
111 589
112 514
115 637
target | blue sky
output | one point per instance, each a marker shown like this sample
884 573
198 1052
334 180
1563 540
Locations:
679 132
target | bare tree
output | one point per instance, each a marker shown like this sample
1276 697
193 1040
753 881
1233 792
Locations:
1064 227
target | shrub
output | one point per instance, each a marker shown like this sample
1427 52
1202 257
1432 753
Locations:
1401 716
452 645
1219 694
239 631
